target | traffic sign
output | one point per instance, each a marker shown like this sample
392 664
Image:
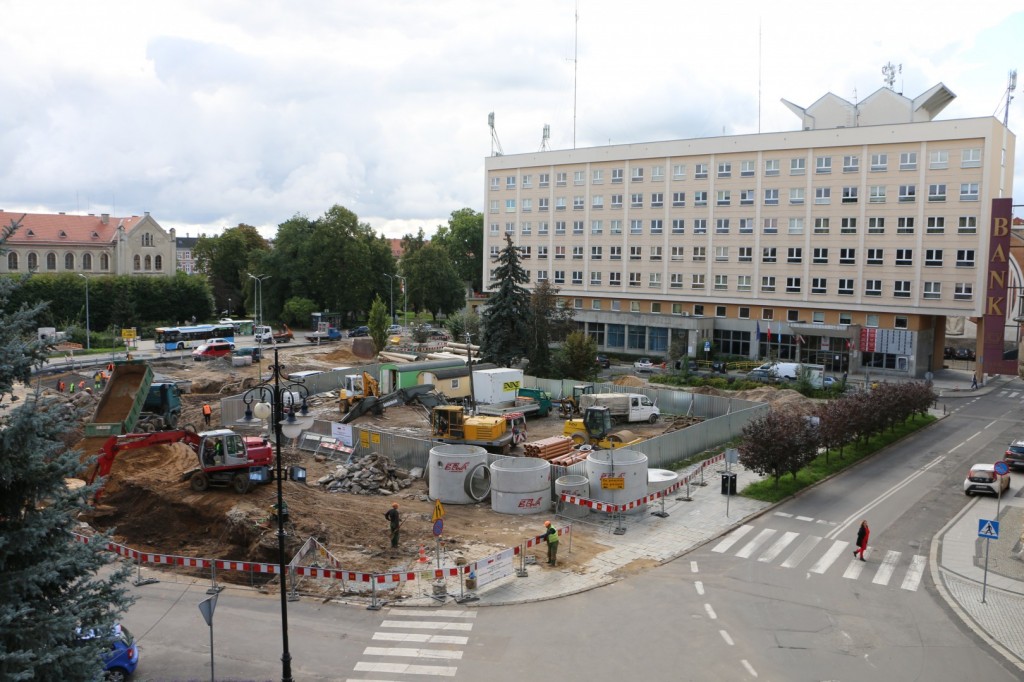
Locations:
707 346
1001 468
988 528
438 527
438 511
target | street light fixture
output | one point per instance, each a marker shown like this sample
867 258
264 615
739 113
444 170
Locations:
391 288
269 398
257 293
88 345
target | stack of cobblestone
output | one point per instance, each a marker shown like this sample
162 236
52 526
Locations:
374 474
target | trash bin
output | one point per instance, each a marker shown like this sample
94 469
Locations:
728 484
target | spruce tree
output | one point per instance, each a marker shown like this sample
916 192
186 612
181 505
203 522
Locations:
506 317
50 584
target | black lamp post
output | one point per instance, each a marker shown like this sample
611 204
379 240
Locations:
290 426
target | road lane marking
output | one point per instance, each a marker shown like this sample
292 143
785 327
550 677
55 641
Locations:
693 567
427 625
711 612
912 579
801 552
759 540
406 669
699 587
732 538
726 637
992 423
785 514
804 518
970 437
419 638
772 552
823 564
852 571
432 612
750 668
884 573
412 653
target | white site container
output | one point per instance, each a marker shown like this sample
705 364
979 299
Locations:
458 474
520 485
624 463
572 484
498 385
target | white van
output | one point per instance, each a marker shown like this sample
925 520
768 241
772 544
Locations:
789 371
299 376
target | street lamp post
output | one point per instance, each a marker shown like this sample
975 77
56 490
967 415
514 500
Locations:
292 426
229 306
88 345
406 308
391 288
257 294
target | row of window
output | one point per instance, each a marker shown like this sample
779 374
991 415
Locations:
795 225
769 284
965 258
823 165
32 262
877 194
871 320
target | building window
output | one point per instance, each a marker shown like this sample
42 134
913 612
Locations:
675 281
936 224
560 253
595 253
597 176
724 169
821 226
769 254
747 169
743 284
559 227
577 253
819 285
700 171
936 192
698 310
932 290
721 254
495 183
148 263
104 262
527 181
722 226
510 228
526 228
678 171
577 227
905 225
820 255
746 254
904 257
635 252
875 256
595 304
797 166
510 205
657 199
746 226
697 281
873 287
678 226
908 193
700 226
678 252
656 252
657 173
700 253
51 261
616 175
796 195
147 239
933 258
544 180
845 288
967 225
848 256
876 225
12 261
654 280
615 280
876 194
615 253
542 253
559 276
850 195
908 161
636 227
678 199
796 226
771 197
69 261
851 164
969 191
767 313
792 285
636 200
768 284
823 165
771 167
965 258
577 277
723 198
963 291
901 288
970 158
561 178
822 195
770 226
879 162
722 284
938 160
700 198
137 262
795 254
637 175
747 197
657 226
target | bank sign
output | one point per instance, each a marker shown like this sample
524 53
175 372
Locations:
997 278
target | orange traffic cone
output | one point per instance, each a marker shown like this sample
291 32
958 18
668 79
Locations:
423 555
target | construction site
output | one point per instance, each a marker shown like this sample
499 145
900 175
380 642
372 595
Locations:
172 487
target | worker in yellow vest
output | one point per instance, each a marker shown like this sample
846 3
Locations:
551 537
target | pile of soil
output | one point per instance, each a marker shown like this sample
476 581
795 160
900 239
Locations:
629 380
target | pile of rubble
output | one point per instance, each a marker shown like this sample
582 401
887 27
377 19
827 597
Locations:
373 474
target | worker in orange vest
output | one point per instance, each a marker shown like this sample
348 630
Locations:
207 411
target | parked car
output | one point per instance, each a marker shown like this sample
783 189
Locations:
1015 454
122 658
643 365
983 479
602 361
829 382
253 352
762 375
359 331
949 353
719 366
965 354
209 351
394 329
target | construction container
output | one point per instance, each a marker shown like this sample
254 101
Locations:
520 485
458 474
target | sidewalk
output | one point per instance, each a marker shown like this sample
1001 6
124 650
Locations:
956 561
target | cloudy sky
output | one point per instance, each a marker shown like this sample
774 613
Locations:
210 114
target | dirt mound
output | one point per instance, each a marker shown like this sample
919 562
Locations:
342 355
363 348
629 380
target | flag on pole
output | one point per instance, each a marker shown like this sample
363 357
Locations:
769 332
758 332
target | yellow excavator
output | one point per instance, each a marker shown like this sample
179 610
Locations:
594 429
450 424
355 389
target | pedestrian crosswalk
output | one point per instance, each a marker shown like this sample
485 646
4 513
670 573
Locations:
410 643
819 556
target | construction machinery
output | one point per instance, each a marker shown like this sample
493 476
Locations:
131 401
266 334
529 401
450 424
594 429
224 457
570 405
423 394
355 388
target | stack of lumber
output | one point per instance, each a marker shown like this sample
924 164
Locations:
549 448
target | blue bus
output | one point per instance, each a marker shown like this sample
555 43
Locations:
179 338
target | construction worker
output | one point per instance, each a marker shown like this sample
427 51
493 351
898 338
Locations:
551 536
110 366
72 389
395 521
61 386
207 411
81 385
96 380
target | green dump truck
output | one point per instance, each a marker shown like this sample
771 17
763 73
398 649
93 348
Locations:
131 402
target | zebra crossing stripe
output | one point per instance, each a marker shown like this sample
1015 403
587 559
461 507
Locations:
884 573
852 571
833 553
912 579
412 653
732 538
801 552
406 669
752 546
416 613
773 552
427 625
419 638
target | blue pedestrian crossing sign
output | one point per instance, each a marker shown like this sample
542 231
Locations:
988 529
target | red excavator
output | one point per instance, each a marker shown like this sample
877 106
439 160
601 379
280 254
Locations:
225 458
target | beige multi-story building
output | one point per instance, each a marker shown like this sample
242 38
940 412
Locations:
87 244
847 243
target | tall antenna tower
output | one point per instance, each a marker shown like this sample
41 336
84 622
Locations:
545 137
575 68
1011 86
495 142
889 72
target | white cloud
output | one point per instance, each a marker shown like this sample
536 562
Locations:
210 115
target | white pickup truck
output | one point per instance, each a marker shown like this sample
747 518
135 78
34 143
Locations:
643 365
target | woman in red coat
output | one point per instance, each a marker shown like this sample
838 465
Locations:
862 540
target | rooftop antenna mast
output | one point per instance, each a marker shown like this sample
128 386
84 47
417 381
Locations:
889 72
495 142
544 138
1010 87
575 68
